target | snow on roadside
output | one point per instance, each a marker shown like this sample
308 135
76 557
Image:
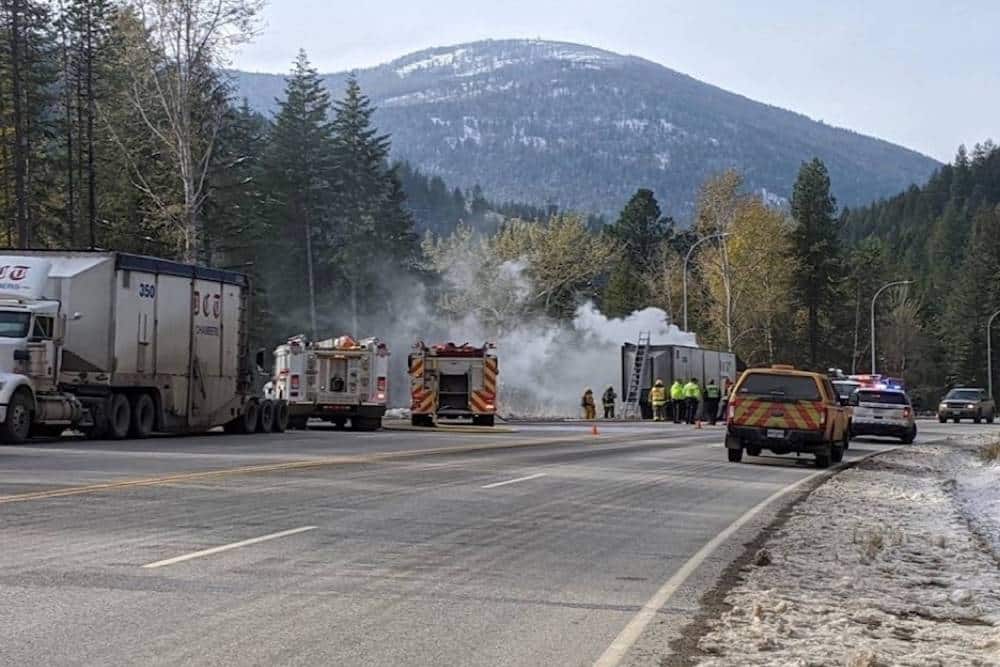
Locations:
978 488
881 565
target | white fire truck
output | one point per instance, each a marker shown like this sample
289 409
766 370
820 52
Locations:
453 381
337 380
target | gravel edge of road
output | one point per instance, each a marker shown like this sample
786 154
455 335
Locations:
682 650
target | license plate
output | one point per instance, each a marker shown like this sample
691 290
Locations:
775 433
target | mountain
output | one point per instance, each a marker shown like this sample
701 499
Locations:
556 123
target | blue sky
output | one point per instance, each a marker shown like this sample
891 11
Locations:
921 73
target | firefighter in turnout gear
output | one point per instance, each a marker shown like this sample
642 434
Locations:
677 400
712 397
589 408
609 402
692 396
658 398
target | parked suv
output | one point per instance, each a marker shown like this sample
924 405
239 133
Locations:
784 410
967 403
885 412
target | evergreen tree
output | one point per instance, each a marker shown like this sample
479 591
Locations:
816 245
300 183
974 296
375 231
640 230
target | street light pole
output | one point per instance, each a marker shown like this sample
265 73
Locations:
874 298
687 258
989 352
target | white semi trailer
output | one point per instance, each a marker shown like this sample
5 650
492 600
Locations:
118 345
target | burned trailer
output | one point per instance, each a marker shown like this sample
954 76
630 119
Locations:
674 362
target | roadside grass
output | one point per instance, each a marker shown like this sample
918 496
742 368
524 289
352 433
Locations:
990 452
871 540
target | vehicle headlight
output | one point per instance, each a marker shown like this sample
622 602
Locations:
970 406
942 407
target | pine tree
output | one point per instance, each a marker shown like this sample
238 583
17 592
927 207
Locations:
300 178
975 295
640 230
816 244
375 231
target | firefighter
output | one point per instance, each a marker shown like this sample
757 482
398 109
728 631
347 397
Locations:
658 397
589 409
609 402
692 396
677 400
712 397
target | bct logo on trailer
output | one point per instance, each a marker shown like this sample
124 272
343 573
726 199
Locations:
23 277
17 273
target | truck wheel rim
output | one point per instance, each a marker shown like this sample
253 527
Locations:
20 419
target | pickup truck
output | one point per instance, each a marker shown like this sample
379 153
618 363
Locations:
786 411
967 403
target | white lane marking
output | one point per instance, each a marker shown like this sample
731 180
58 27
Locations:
513 481
226 547
616 652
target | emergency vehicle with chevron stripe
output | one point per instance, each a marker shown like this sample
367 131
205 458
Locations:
449 381
787 411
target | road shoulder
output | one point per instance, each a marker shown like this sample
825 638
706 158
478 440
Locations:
885 563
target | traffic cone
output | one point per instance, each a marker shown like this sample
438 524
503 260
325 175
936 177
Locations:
593 430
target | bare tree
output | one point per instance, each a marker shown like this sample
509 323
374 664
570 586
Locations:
174 89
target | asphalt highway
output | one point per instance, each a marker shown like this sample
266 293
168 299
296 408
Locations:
530 545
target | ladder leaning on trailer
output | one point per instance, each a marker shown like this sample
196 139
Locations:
640 363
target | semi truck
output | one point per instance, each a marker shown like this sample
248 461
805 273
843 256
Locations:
118 345
337 380
451 381
674 362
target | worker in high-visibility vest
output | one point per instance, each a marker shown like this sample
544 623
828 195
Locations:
677 400
658 399
692 396
713 394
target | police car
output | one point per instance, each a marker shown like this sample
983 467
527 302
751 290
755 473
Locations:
883 411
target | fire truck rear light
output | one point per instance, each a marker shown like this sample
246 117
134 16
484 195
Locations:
295 382
380 384
380 396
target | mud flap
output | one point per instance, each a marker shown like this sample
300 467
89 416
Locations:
732 442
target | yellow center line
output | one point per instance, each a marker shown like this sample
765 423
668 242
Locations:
375 457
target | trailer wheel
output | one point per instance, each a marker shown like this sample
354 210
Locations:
143 416
280 417
265 422
119 417
17 426
248 420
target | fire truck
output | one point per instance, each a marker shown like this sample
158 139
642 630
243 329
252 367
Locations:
453 382
336 380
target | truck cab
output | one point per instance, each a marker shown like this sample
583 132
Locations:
31 355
